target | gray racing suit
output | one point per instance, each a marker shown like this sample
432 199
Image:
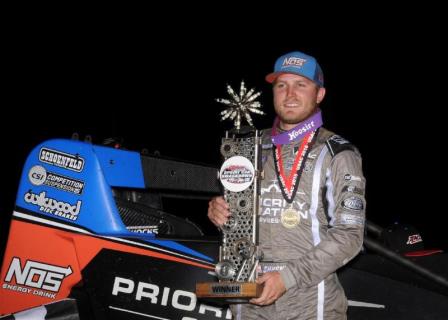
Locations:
325 235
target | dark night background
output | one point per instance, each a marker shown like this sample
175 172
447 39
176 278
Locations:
154 85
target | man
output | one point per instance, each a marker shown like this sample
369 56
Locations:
312 205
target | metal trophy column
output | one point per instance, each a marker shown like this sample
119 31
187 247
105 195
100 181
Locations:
240 175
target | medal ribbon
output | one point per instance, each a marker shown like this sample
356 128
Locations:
289 185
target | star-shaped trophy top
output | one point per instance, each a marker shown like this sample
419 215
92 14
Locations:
240 105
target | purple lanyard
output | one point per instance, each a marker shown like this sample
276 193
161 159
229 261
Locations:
299 131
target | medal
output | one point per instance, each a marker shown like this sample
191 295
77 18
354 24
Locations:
307 130
290 218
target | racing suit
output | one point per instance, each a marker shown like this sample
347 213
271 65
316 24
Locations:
325 235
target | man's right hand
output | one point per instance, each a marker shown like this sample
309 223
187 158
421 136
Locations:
218 211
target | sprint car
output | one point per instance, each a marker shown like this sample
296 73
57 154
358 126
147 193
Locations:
89 239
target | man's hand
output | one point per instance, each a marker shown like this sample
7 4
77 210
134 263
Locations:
218 211
273 289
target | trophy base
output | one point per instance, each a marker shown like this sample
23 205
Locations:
231 292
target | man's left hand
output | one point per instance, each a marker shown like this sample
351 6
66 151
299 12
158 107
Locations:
273 289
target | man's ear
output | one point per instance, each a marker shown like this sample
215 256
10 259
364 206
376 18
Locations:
320 94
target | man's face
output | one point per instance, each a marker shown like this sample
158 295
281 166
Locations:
295 99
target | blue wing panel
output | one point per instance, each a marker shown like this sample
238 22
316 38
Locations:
71 181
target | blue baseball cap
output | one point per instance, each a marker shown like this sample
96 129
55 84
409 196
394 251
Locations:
299 63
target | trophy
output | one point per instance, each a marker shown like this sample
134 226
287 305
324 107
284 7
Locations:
240 175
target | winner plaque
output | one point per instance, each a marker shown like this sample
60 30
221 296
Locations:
240 175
